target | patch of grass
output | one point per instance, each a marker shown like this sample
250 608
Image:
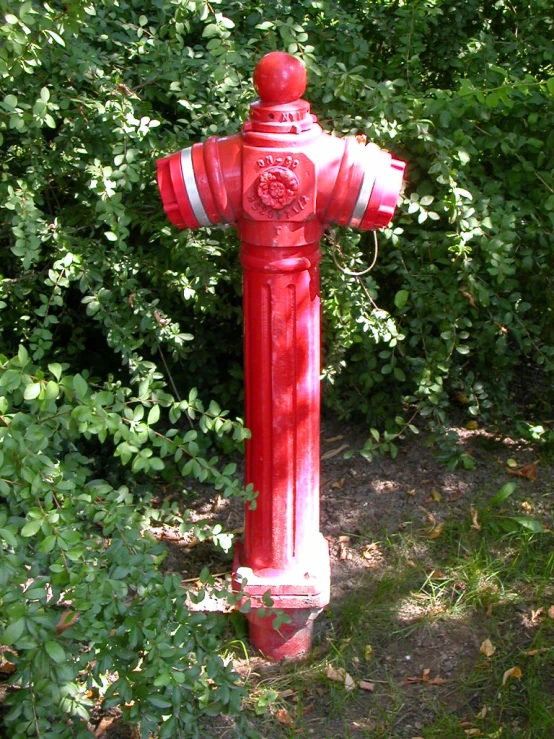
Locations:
414 628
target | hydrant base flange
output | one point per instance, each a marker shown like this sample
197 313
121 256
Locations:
305 586
290 641
300 593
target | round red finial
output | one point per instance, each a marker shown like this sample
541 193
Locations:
279 78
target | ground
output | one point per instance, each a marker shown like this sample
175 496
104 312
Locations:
441 620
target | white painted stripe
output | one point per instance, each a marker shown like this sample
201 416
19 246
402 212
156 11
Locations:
370 155
192 188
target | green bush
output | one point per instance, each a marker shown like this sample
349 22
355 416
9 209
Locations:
109 317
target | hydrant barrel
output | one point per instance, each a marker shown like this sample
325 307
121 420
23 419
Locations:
281 314
281 181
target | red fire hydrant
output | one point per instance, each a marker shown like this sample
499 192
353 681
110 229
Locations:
280 181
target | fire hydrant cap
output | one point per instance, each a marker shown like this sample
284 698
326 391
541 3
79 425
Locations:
279 78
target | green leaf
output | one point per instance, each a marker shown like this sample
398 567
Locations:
32 391
163 679
280 619
56 36
155 700
550 85
8 537
22 355
503 494
56 370
51 390
55 651
528 523
47 544
31 527
401 298
153 415
80 386
212 29
13 632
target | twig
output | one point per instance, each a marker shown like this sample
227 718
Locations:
195 579
169 375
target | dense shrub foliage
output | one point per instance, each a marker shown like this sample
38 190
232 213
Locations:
109 317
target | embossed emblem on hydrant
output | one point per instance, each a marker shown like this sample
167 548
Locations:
277 187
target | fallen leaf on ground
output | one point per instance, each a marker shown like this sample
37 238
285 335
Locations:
528 471
308 709
372 555
438 681
535 615
487 648
551 612
368 652
435 532
340 676
349 683
334 438
482 713
411 492
471 425
428 515
338 485
488 613
284 717
365 685
511 463
334 452
512 672
474 519
437 497
287 693
437 575
425 678
343 548
527 507
473 732
533 652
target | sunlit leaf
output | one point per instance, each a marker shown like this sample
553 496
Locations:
512 672
487 648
